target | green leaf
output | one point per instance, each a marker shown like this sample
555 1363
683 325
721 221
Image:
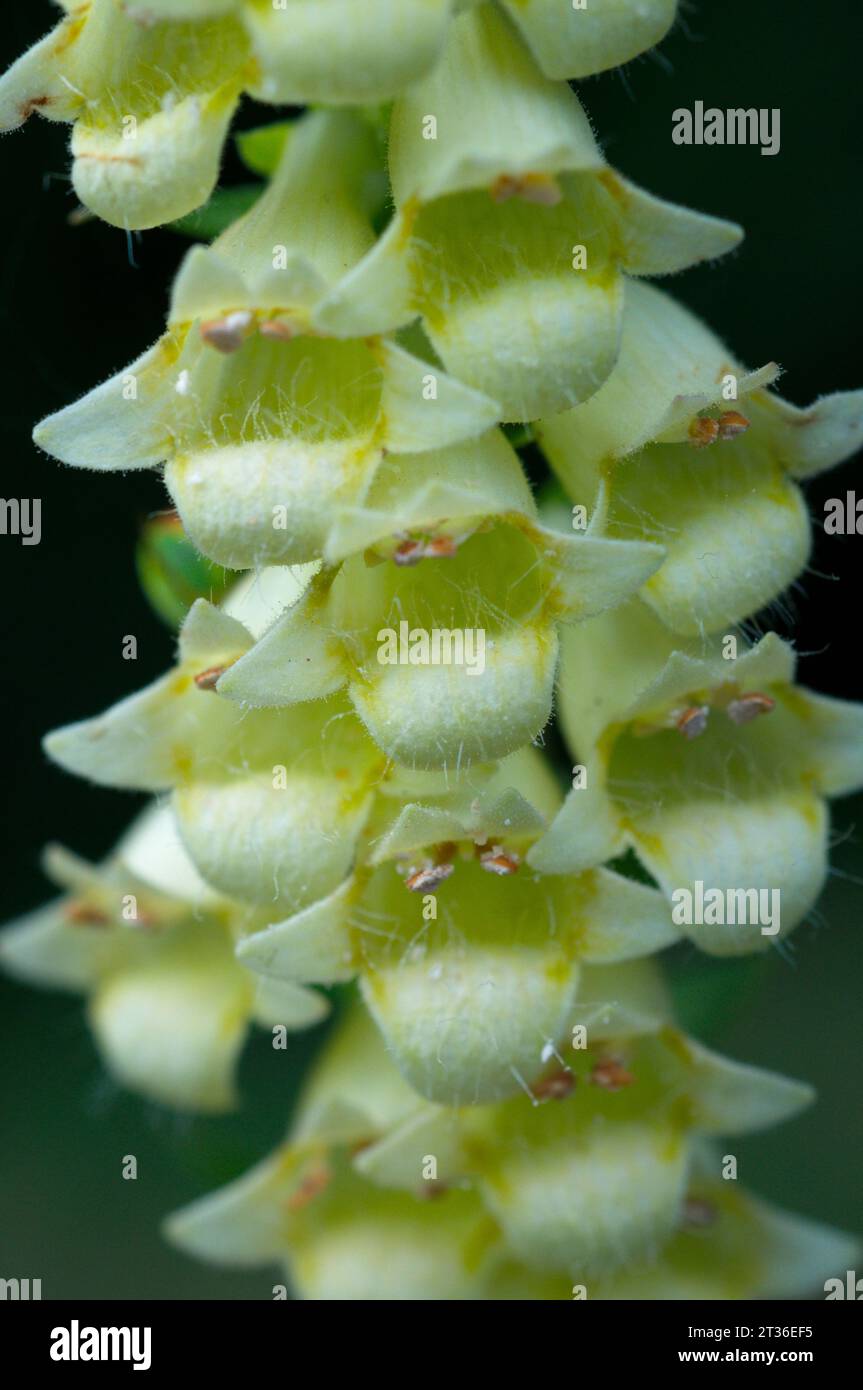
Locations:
224 207
171 572
262 148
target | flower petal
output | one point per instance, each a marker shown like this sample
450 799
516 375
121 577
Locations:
313 220
670 367
44 948
750 1251
373 1246
321 51
120 424
736 531
314 946
508 118
375 296
33 83
835 735
732 1098
507 816
809 441
285 846
626 919
435 715
170 169
280 1002
134 743
603 1200
207 285
153 852
173 1025
426 409
776 844
573 43
151 739
240 1224
584 833
593 574
660 238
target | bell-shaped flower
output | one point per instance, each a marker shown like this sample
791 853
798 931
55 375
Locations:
511 236
590 1174
472 967
337 1235
264 423
325 51
269 804
729 1245
150 105
275 807
442 621
732 1245
684 447
714 767
150 86
356 1242
153 950
602 1180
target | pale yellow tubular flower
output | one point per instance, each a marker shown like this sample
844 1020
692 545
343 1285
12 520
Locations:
511 235
346 752
471 976
590 1175
377 1195
684 447
337 1236
451 550
736 1248
150 104
328 51
150 86
684 755
153 949
269 805
265 423
277 807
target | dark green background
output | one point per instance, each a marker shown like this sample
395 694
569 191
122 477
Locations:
73 309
